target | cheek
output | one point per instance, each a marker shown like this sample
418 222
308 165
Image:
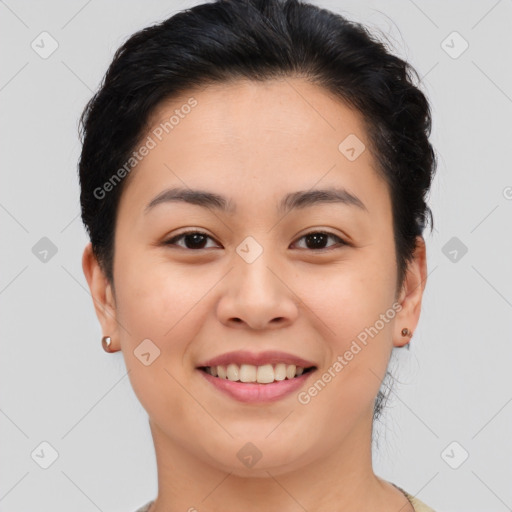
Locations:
165 302
144 305
156 305
350 296
353 311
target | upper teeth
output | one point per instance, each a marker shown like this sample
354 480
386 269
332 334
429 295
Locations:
250 373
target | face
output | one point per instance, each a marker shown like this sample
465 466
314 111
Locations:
271 265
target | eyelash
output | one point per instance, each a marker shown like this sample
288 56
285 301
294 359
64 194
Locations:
341 242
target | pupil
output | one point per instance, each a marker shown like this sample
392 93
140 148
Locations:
198 239
317 239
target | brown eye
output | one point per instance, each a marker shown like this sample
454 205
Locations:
197 240
192 240
316 240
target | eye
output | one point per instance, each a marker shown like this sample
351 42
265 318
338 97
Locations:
196 240
192 240
315 240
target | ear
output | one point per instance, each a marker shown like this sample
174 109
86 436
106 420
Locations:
411 294
102 296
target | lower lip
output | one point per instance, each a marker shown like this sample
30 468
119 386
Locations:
254 392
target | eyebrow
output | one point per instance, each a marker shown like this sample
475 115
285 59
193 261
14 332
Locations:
294 200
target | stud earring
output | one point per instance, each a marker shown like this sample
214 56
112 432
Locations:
106 341
406 332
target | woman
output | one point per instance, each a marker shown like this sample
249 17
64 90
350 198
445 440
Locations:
254 177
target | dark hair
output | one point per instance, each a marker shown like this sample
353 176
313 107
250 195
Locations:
259 40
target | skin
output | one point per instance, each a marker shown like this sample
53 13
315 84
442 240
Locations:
254 143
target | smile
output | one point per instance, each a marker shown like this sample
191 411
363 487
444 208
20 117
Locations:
263 374
249 383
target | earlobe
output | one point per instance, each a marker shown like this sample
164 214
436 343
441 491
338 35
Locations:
411 295
103 298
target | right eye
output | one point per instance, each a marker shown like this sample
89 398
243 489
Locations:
193 240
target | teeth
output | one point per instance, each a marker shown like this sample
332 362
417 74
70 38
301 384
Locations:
220 369
280 372
233 372
265 374
249 373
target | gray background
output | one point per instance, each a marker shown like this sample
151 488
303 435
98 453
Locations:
59 387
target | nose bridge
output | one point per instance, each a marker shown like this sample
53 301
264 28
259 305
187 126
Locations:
252 269
255 295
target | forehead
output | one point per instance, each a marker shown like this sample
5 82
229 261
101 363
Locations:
256 139
291 109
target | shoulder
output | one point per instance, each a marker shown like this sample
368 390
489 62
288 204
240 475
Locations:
145 507
418 505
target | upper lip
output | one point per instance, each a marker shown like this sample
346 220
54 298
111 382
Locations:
257 359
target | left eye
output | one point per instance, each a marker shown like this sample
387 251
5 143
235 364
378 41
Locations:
318 238
197 239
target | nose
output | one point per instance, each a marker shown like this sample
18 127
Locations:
257 296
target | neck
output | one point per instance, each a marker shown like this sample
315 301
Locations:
340 479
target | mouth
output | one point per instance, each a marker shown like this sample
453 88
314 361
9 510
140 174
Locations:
251 374
269 385
251 377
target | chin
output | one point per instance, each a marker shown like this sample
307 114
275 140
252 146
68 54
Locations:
258 458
